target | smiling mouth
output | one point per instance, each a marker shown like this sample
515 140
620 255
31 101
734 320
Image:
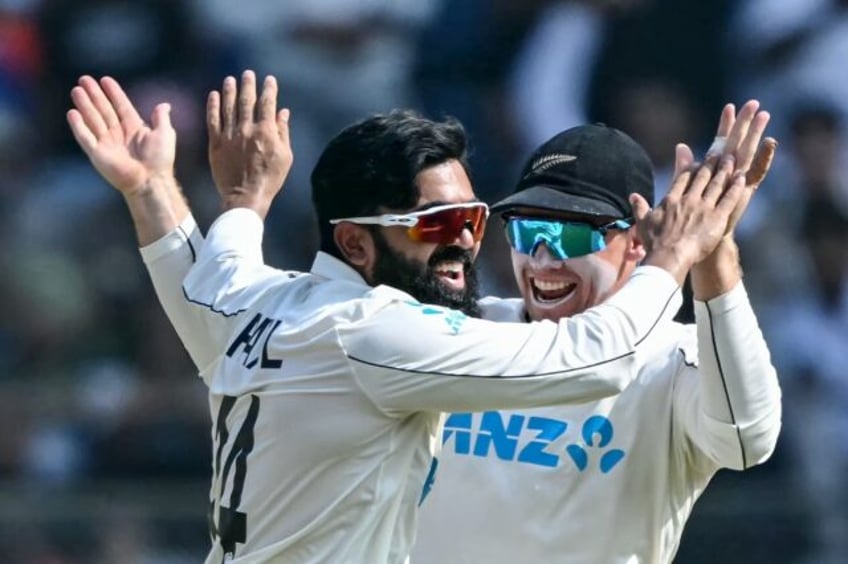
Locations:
451 274
549 292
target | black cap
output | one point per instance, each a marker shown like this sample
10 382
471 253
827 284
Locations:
589 169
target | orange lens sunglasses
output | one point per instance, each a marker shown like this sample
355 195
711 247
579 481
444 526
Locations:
439 224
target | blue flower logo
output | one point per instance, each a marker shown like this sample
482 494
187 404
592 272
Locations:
597 433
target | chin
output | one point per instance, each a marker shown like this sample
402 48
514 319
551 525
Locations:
552 312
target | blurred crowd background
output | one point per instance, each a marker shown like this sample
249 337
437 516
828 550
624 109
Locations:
104 429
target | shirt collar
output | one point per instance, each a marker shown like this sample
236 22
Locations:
328 266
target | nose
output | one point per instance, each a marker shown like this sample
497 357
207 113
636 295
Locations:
465 238
542 254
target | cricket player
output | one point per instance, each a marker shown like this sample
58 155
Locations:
612 480
327 388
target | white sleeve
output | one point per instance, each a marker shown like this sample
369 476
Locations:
227 278
733 413
168 260
409 357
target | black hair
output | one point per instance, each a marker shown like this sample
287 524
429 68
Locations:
373 163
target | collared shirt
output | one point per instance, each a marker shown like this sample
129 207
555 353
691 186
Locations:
326 394
612 480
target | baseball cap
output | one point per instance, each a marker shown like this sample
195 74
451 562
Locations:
588 169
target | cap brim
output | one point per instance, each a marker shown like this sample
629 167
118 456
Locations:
546 198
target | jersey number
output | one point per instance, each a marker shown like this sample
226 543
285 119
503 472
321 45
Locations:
231 525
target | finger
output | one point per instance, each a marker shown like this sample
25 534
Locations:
268 100
90 115
641 207
246 101
701 178
726 120
213 116
734 193
717 184
283 125
86 139
228 107
679 183
740 126
748 146
683 158
127 114
762 163
101 102
725 125
161 117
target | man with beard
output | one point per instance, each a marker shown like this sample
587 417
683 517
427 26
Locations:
612 480
327 388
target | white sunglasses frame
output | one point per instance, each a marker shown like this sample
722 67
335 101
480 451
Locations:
407 219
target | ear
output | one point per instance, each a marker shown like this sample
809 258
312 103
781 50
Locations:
635 248
356 245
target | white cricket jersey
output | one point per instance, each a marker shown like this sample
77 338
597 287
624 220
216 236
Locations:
613 480
326 394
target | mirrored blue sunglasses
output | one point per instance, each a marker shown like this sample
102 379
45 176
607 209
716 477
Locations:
564 239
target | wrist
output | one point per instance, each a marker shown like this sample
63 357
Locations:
669 260
718 273
239 198
155 183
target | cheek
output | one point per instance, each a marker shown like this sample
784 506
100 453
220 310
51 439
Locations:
595 269
519 266
401 243
475 251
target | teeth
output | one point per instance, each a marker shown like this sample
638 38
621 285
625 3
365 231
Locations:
548 286
454 267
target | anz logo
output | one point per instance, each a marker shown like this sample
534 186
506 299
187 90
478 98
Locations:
498 436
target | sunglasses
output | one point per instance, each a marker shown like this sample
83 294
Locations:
564 239
439 224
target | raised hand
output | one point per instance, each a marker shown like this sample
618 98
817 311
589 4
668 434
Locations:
124 150
742 137
249 149
692 219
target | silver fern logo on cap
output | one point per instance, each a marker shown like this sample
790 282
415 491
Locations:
544 163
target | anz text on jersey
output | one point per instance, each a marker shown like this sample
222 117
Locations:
500 435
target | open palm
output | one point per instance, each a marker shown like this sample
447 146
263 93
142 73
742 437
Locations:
123 149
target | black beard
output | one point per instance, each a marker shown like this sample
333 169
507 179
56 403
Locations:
420 281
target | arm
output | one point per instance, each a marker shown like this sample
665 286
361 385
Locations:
138 161
411 357
250 156
731 411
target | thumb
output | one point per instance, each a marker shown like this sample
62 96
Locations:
762 162
161 116
641 208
